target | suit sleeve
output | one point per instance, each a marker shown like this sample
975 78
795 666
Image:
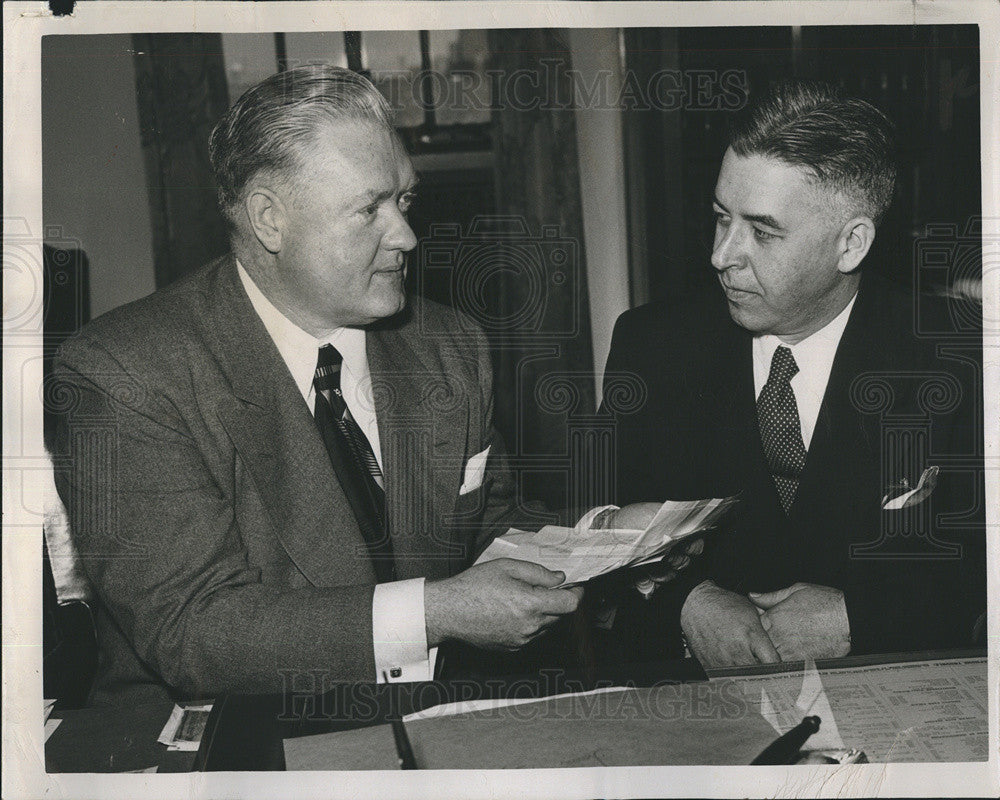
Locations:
626 340
163 548
649 626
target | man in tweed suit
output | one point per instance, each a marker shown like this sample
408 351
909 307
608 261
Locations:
226 541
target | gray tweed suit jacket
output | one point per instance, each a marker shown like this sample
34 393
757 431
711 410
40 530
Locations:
211 523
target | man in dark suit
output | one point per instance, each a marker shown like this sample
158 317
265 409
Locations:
279 468
804 386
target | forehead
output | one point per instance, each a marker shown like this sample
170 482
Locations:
758 184
358 151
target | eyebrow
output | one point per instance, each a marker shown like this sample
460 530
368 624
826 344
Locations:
762 219
375 196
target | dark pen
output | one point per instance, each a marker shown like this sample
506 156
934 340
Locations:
785 749
403 748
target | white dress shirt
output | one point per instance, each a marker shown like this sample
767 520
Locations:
399 629
814 356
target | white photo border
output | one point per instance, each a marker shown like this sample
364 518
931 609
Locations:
24 765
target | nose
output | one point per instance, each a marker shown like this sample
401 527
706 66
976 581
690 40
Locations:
400 235
728 250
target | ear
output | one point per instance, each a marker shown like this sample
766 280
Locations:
268 218
855 240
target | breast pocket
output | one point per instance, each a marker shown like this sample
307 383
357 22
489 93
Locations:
471 504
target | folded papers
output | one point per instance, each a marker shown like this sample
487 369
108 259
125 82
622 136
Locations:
583 553
185 727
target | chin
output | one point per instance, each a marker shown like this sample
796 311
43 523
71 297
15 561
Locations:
747 319
389 305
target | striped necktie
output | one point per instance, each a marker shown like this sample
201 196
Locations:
780 428
353 460
327 384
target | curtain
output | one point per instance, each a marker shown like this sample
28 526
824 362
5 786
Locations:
181 90
539 325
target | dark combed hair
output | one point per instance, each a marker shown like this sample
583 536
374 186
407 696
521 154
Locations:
270 127
845 143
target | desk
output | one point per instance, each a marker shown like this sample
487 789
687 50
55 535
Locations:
113 740
246 732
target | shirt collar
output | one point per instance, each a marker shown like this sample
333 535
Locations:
814 355
298 348
818 348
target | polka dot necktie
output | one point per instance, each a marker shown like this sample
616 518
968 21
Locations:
780 429
353 460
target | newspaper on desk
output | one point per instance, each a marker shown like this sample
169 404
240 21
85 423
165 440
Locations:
910 711
583 554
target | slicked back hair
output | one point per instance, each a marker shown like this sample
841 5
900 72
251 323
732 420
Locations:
270 128
846 144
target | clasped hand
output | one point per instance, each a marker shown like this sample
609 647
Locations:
805 620
801 621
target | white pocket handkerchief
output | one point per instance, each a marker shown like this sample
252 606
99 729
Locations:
474 472
923 490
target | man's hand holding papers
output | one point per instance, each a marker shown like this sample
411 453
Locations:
633 517
585 553
638 516
498 606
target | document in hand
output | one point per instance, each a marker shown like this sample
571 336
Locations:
584 553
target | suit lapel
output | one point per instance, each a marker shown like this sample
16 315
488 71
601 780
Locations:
276 436
423 423
840 429
731 454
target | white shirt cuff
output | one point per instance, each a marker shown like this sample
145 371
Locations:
399 633
588 519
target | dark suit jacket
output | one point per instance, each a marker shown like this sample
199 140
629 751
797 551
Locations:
895 403
204 504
